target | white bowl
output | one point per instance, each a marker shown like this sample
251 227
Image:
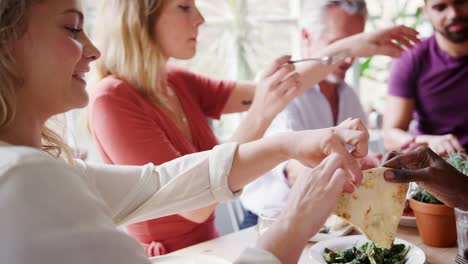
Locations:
415 254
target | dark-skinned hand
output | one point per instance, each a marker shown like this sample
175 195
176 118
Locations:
432 172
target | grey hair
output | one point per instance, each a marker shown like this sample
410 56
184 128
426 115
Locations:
313 11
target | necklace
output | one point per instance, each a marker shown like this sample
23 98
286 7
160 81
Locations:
172 103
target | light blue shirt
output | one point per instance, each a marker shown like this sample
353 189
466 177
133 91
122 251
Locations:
310 110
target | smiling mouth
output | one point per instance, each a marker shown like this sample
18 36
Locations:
80 76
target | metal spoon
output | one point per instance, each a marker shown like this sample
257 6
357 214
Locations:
327 60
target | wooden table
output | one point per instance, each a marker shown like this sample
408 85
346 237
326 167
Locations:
229 247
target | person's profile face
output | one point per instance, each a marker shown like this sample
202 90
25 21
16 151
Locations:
53 54
176 28
338 24
449 18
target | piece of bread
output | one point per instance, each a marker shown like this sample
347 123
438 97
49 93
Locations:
375 207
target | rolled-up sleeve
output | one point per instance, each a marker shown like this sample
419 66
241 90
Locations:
220 167
193 181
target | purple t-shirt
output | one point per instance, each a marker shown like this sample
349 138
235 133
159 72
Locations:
439 85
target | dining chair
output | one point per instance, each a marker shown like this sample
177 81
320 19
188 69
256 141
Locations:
236 214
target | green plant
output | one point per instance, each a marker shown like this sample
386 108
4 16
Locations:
369 69
459 161
372 74
424 196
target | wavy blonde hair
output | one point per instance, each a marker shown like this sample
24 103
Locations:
123 32
13 22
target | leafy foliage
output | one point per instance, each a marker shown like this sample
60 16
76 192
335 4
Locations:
425 197
459 161
368 253
369 69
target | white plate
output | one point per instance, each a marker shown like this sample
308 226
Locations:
409 221
189 259
415 254
332 234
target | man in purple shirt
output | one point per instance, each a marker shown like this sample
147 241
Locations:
430 84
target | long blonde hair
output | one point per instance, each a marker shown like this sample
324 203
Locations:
123 32
12 25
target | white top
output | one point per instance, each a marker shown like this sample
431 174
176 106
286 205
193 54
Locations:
53 213
310 110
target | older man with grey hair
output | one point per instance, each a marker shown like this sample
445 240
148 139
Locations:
324 105
326 21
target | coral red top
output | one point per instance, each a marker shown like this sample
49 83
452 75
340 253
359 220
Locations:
130 130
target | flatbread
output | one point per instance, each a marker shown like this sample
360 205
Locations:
375 207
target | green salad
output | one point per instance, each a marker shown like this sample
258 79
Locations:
368 253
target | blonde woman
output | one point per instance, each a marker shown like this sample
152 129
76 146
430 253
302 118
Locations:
55 212
142 103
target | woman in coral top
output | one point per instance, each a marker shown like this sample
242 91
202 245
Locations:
141 103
